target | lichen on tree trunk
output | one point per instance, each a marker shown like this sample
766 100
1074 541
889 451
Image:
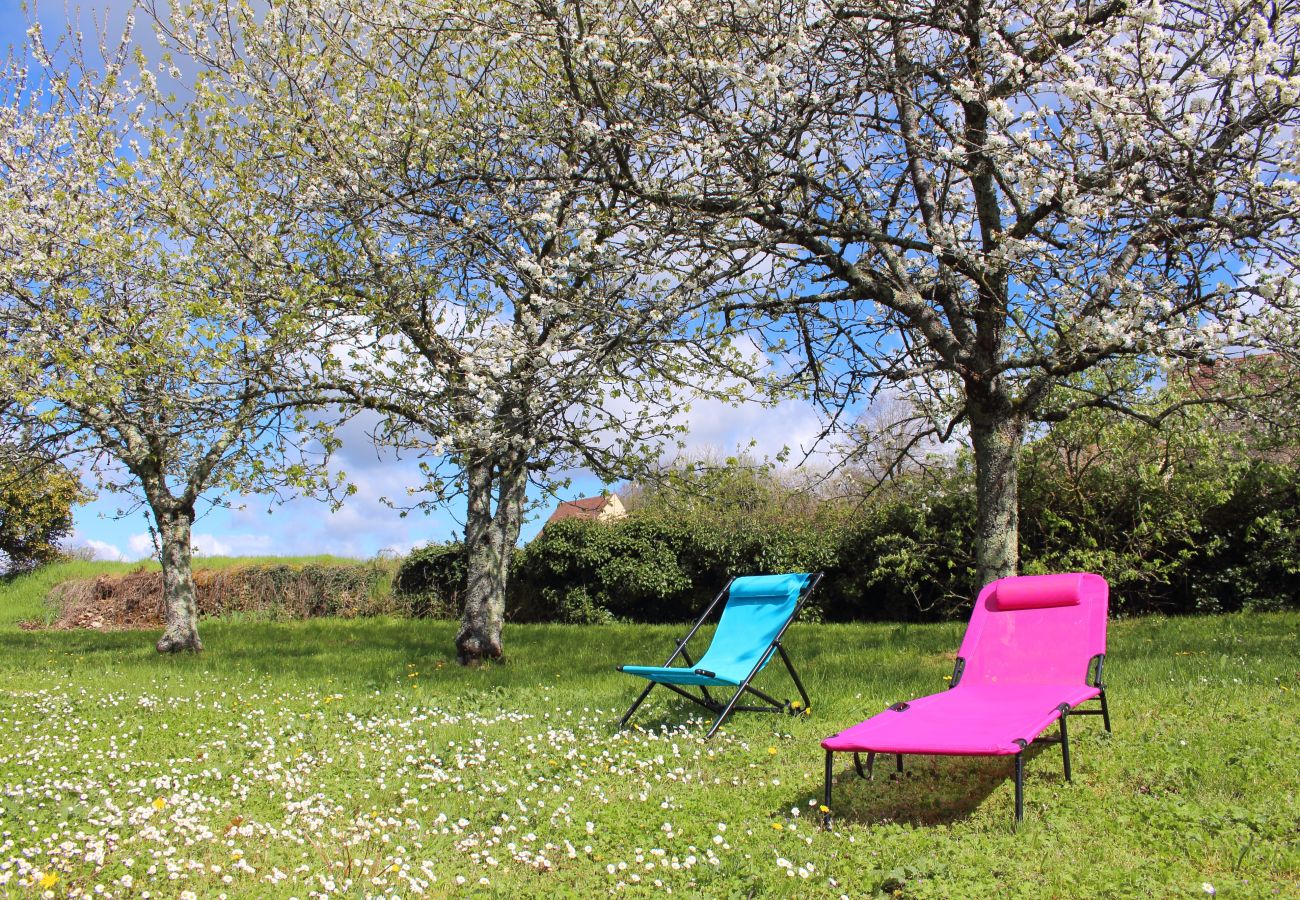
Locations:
490 537
996 435
182 608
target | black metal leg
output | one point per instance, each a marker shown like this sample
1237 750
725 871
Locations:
1105 710
900 763
1065 743
826 816
722 717
1020 786
807 704
639 700
871 766
762 695
857 765
711 705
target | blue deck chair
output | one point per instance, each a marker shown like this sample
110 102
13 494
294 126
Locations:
758 610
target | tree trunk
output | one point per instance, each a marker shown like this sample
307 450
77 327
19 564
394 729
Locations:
490 538
182 631
996 435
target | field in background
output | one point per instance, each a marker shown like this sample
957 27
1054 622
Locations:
355 757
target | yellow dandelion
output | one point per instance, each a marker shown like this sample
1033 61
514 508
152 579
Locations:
777 826
49 880
824 808
771 750
159 803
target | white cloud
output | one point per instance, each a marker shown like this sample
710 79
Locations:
363 527
237 543
101 549
210 545
141 546
792 424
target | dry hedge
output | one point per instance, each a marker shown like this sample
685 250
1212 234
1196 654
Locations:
274 592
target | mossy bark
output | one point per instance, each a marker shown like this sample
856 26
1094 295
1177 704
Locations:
490 536
996 435
182 608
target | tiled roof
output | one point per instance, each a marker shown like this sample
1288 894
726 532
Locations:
584 508
1254 369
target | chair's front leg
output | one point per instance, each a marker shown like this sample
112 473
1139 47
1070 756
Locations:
807 703
690 664
1065 741
1020 786
826 816
726 712
639 700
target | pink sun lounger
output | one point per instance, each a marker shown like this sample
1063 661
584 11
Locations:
1032 653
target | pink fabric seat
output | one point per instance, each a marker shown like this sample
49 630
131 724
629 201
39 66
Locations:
1025 663
979 721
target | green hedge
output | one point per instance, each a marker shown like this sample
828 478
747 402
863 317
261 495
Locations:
430 582
649 568
1188 519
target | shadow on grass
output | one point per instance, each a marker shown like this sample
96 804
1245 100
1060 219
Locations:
933 790
675 714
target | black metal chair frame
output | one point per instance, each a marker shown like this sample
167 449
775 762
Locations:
1062 738
707 700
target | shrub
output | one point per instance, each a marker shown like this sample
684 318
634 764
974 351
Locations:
906 553
430 581
36 500
1186 519
652 567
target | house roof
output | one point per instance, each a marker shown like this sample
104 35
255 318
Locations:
582 508
1254 369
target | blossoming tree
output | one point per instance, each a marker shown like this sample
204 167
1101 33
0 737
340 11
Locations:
508 317
163 359
981 205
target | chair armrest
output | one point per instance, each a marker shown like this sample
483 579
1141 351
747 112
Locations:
958 669
1094 670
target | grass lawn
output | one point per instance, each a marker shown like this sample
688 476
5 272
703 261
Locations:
356 758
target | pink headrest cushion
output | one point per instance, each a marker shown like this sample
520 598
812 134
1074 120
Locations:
1039 591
